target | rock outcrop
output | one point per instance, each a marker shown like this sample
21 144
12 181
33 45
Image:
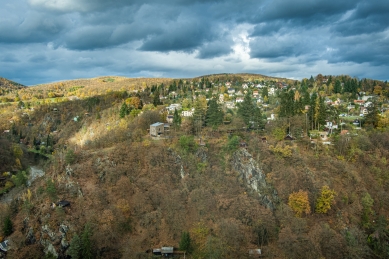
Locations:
251 173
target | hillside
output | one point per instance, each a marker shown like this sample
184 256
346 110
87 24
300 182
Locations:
9 87
263 171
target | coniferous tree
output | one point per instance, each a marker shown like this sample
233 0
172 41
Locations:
337 87
86 243
246 109
75 247
185 242
176 119
214 115
7 226
123 110
156 99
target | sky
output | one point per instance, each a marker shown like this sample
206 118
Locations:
44 41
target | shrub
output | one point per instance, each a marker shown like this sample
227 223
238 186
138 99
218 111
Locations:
188 144
70 157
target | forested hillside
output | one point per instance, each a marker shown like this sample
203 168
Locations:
297 169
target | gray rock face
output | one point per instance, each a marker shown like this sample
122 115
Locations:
251 173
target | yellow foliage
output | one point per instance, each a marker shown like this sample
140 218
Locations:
199 233
122 205
284 151
9 185
299 203
325 200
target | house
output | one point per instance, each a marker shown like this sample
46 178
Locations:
169 118
272 91
243 144
173 107
231 90
323 135
230 105
239 93
239 100
288 137
255 93
221 98
359 102
187 113
245 86
228 84
167 251
156 129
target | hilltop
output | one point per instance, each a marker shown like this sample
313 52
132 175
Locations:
297 169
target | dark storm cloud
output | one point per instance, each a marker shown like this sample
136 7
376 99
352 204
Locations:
145 37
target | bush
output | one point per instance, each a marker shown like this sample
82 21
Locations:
70 157
233 143
20 178
188 144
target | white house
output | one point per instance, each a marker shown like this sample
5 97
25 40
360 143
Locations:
245 86
239 100
187 113
221 98
272 91
231 90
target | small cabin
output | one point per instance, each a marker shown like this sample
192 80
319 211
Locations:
243 144
156 129
289 137
167 251
4 246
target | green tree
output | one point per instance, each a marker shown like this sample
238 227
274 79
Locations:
185 242
7 226
70 157
123 110
325 200
51 190
156 99
187 144
20 178
367 204
214 115
246 109
75 247
176 119
86 243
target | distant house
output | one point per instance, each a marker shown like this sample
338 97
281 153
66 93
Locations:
156 129
187 113
169 118
231 90
245 86
239 99
288 137
271 91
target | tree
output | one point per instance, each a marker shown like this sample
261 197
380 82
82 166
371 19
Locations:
123 110
156 99
70 157
299 203
185 242
176 119
214 115
86 244
246 109
75 247
7 226
367 204
325 200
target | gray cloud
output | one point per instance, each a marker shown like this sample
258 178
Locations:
82 38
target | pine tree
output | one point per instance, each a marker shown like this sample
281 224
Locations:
214 115
185 243
7 226
156 99
86 243
176 119
123 110
246 109
75 247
